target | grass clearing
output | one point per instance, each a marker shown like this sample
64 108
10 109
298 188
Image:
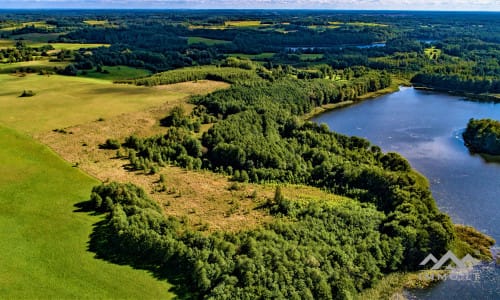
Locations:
117 73
432 52
63 101
366 24
4 43
44 241
322 28
37 37
68 46
244 23
36 40
260 56
206 200
36 65
208 42
37 24
314 56
96 22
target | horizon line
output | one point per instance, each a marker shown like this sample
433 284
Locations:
247 9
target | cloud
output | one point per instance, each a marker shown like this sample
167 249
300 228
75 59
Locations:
485 5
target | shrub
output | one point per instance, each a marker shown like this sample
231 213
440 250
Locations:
110 144
27 93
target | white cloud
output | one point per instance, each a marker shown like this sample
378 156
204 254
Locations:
485 5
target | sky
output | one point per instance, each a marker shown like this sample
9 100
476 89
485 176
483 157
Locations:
447 5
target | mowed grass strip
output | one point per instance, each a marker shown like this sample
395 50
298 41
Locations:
43 241
63 101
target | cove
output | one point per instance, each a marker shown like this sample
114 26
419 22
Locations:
426 128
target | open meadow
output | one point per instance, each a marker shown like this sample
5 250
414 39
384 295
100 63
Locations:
44 241
44 237
62 101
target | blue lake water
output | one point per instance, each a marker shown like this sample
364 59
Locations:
426 128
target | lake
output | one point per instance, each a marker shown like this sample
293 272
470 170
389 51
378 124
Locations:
426 127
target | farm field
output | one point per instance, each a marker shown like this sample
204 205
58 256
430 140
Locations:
36 65
62 101
117 73
260 56
38 193
243 23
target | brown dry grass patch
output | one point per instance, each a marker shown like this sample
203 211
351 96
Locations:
203 199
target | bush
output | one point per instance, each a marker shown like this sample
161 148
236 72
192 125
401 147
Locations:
110 144
27 93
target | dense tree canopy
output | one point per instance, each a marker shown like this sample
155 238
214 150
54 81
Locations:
483 136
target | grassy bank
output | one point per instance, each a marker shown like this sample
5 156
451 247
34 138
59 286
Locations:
43 240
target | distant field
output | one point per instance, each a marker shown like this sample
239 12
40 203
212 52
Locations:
6 43
209 42
37 37
68 46
259 56
243 23
118 73
432 52
323 27
7 68
36 40
96 22
247 23
62 101
311 56
25 24
366 24
43 240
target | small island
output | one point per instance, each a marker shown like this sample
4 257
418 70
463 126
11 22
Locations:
483 136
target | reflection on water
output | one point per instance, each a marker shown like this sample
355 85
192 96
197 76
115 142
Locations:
426 128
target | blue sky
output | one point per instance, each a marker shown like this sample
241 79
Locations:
476 5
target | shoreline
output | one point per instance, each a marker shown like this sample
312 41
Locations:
394 285
394 87
468 96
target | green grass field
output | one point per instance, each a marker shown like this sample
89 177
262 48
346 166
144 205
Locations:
40 24
43 240
96 22
246 23
38 37
62 101
4 43
36 40
208 42
118 73
37 65
259 56
305 57
432 52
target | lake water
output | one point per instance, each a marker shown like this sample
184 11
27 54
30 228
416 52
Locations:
426 128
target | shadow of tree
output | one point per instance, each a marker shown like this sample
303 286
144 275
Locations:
103 242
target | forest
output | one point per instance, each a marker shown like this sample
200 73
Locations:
280 67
